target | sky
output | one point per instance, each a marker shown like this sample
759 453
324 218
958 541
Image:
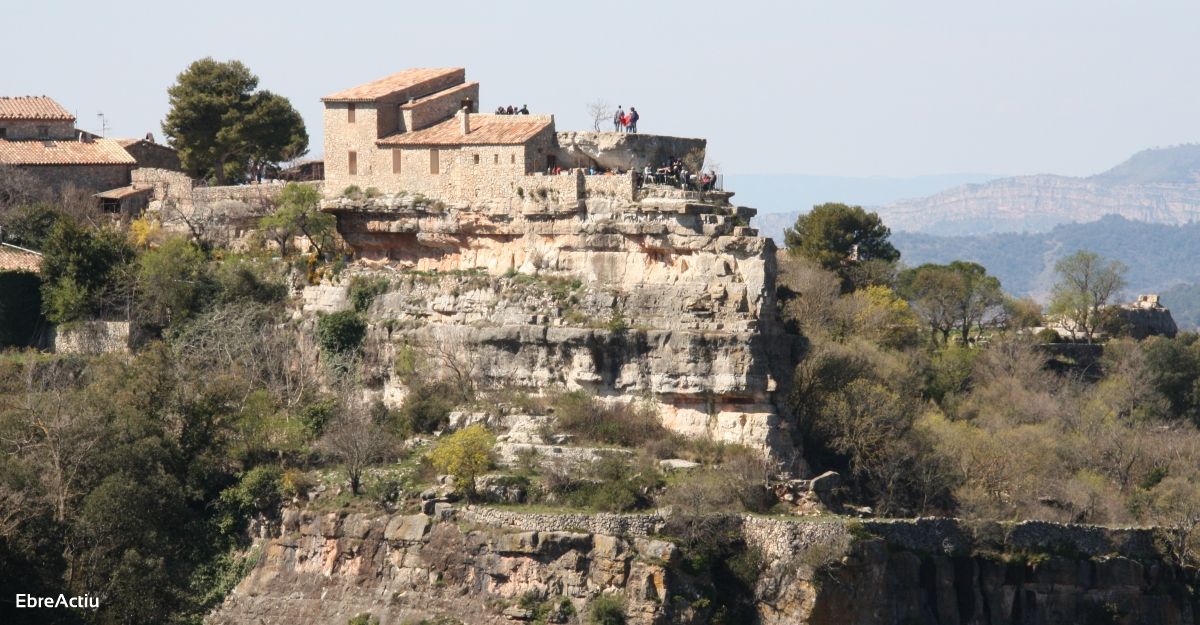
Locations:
833 88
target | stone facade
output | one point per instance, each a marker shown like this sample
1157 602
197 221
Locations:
20 129
87 178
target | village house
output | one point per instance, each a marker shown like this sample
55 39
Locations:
420 132
38 136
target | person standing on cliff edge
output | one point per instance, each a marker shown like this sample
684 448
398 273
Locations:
618 118
633 119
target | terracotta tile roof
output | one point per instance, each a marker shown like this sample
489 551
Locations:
32 107
67 152
407 79
485 130
13 258
121 193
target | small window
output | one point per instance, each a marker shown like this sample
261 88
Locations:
433 161
514 158
353 166
3 133
350 113
395 160
43 131
495 159
476 159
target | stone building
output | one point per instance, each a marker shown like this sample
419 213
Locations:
419 132
149 153
38 136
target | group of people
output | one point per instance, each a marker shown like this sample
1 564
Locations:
674 171
512 110
625 122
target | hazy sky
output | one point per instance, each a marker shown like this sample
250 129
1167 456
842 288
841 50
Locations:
831 87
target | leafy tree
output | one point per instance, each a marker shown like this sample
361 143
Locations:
838 236
223 129
341 332
464 454
299 212
29 225
79 267
958 295
172 281
1087 284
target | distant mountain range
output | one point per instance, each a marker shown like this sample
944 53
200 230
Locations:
1159 185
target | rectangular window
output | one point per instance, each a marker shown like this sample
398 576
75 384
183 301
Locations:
43 131
350 113
514 158
353 166
3 133
433 161
476 159
395 160
495 159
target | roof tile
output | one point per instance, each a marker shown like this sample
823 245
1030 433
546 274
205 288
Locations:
33 107
386 86
485 130
43 152
13 258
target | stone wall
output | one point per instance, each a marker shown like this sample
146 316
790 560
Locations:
432 109
87 178
614 186
61 130
91 337
225 215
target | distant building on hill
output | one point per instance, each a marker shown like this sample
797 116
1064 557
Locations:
149 153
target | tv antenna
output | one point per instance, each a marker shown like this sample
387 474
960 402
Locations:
103 124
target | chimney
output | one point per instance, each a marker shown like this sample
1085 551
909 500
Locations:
466 121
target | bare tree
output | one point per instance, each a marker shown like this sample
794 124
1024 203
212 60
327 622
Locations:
57 435
355 439
600 111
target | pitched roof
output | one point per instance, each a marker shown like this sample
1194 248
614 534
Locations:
33 107
485 130
401 81
121 193
13 258
68 152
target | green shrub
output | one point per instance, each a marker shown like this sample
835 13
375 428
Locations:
625 424
372 192
1046 335
606 610
341 332
352 192
363 291
427 407
258 491
316 414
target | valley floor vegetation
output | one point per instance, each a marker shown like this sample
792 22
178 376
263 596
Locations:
141 477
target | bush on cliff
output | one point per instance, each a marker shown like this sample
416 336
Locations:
341 333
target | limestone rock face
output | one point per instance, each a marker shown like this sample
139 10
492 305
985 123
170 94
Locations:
484 564
618 150
668 296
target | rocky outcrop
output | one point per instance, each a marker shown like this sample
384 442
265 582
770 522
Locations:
494 566
668 297
625 151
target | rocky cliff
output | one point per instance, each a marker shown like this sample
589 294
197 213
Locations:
481 565
1160 185
668 297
